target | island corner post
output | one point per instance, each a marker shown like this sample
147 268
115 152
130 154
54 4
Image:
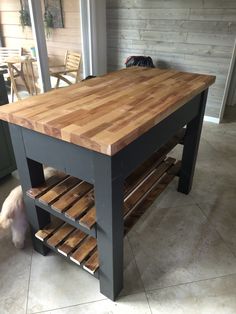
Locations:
191 145
107 173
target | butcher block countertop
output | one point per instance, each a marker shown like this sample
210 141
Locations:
107 113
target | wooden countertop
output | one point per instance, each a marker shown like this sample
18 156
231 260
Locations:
107 113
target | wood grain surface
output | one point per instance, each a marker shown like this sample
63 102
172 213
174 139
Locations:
133 199
49 229
47 185
107 113
58 190
68 199
81 206
92 263
89 219
60 235
134 214
84 250
75 238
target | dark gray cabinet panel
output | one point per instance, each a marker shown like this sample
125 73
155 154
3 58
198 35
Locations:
7 159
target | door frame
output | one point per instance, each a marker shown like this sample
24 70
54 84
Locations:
232 70
36 17
94 37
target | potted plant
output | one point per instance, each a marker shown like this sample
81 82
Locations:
24 18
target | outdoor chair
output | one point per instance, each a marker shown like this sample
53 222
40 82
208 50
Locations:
69 70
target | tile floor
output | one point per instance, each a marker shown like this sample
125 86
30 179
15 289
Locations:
179 258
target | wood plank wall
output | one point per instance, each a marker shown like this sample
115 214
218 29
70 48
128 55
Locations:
60 40
189 35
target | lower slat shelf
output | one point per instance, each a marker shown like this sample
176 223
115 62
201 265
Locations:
71 243
80 248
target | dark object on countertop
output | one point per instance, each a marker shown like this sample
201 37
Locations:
141 61
89 77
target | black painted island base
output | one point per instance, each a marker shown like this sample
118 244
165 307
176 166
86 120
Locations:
107 175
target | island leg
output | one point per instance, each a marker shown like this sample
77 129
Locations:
110 229
191 144
31 175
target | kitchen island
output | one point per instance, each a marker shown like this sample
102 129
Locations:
109 138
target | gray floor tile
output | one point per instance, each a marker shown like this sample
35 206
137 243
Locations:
132 280
223 143
55 283
14 275
222 215
172 198
212 179
205 297
208 151
178 245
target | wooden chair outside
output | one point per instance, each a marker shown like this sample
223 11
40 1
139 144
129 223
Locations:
22 67
6 53
71 68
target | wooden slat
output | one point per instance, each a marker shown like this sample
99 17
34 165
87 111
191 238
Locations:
80 207
174 170
146 185
89 219
48 230
58 190
60 235
133 216
74 239
92 263
49 183
108 113
141 172
71 197
84 250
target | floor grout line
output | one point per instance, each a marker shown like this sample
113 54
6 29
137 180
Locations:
27 299
144 290
215 228
89 302
191 282
131 248
148 303
69 306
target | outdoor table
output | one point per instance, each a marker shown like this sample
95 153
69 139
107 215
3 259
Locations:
109 137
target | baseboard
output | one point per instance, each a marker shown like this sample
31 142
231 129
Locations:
211 119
